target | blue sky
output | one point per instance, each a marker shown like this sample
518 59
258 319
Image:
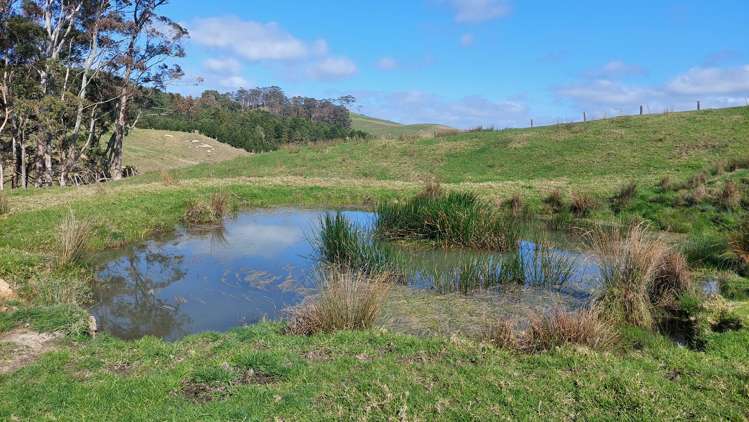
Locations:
475 62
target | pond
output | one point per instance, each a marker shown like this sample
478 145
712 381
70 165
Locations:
258 264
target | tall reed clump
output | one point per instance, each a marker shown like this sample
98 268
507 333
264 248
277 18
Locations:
533 264
639 273
455 218
4 204
666 183
210 211
341 244
729 197
347 301
74 235
555 201
547 331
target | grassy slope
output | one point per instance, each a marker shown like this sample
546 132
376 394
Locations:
598 155
387 129
386 372
153 150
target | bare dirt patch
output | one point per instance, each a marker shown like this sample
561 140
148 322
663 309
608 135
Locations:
21 347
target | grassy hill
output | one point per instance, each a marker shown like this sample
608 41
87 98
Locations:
153 150
387 129
598 155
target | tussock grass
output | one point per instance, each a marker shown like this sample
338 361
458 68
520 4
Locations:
73 236
547 331
347 301
342 245
4 204
49 290
456 218
167 179
729 197
641 275
697 195
555 201
666 183
697 180
624 196
582 204
517 206
628 263
432 188
210 211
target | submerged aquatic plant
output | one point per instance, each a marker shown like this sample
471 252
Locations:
342 244
347 301
456 218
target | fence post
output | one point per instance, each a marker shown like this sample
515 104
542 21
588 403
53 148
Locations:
531 122
698 106
640 110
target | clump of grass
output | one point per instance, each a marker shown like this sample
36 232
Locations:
347 301
738 163
555 201
697 180
432 188
666 183
712 250
623 198
729 197
739 241
558 328
74 235
719 168
211 211
453 219
478 273
671 280
517 206
4 204
343 245
697 195
544 266
554 329
48 290
167 178
628 263
582 204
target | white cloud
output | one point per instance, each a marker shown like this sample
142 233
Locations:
234 82
387 63
616 68
333 68
423 107
713 87
253 41
712 81
606 92
268 44
466 40
228 65
472 11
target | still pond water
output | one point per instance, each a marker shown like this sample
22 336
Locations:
255 266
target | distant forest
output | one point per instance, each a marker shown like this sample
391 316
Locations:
259 119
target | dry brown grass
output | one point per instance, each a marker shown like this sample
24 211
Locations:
582 204
697 180
628 263
697 195
555 200
432 188
73 234
516 205
729 197
554 329
671 280
168 179
666 183
220 204
624 196
558 328
347 301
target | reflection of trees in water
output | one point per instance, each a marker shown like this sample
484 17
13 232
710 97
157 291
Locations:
127 301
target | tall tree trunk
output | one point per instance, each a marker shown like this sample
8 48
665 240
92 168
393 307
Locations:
115 142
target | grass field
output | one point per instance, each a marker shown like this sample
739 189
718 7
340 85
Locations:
387 129
379 373
151 150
